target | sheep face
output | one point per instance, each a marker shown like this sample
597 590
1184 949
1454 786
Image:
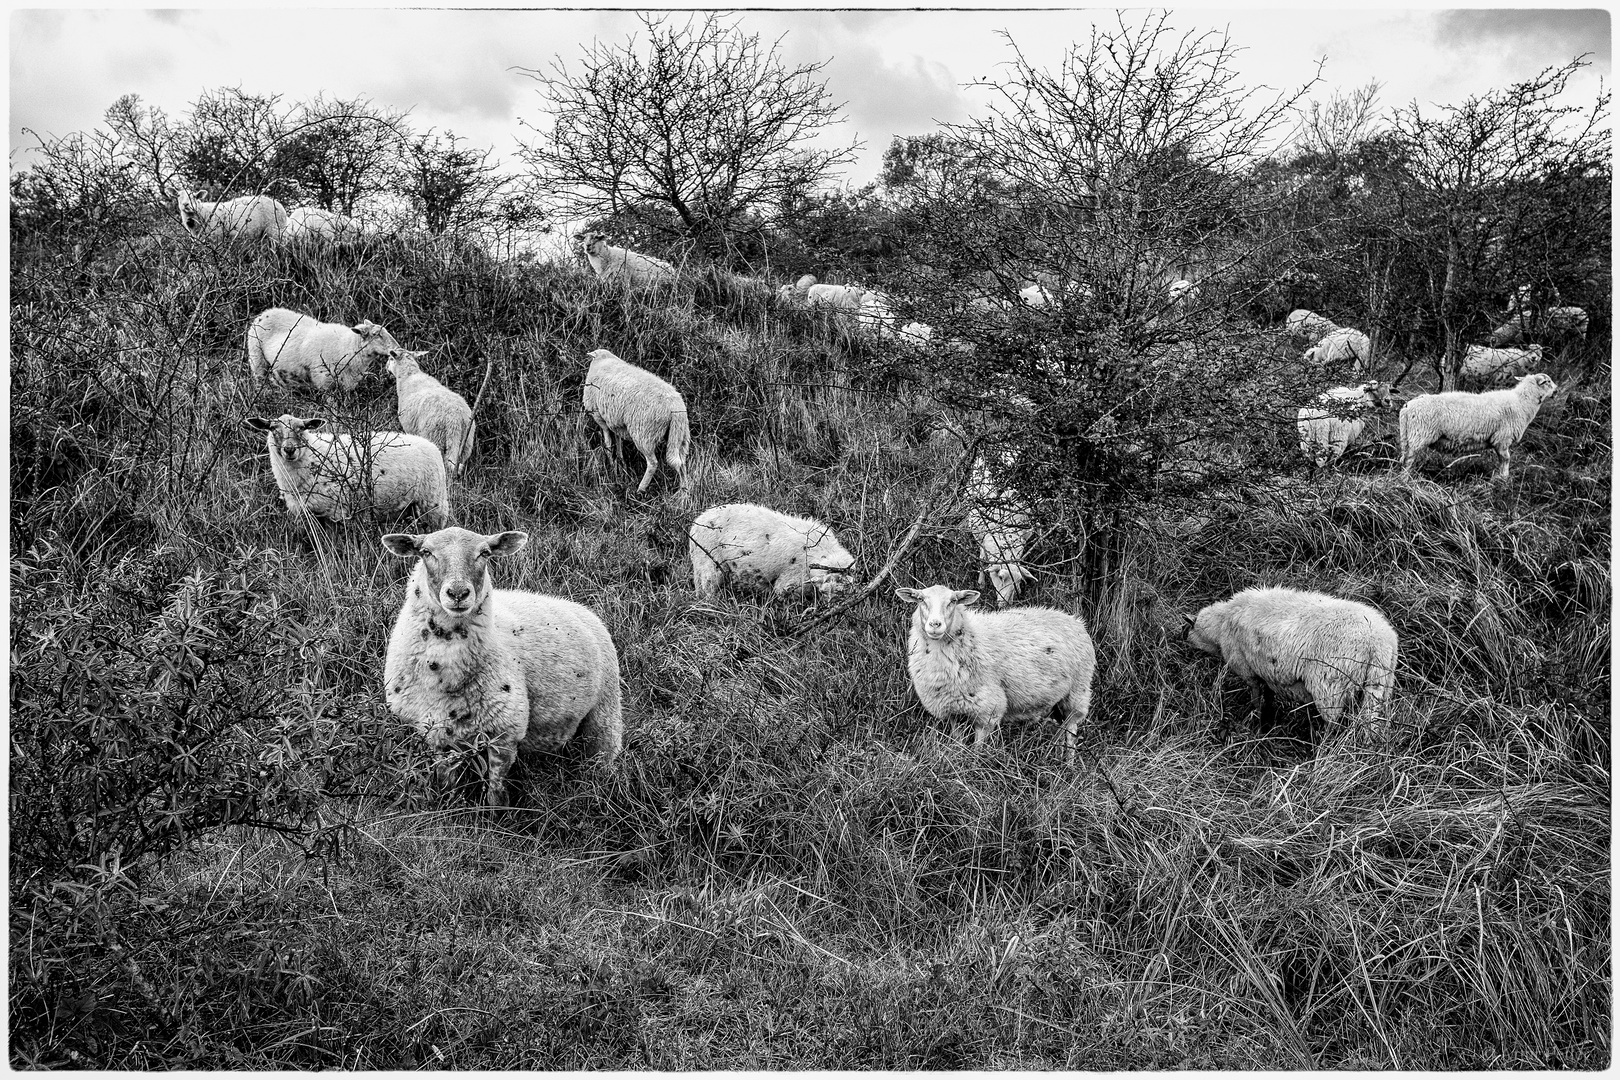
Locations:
592 243
455 563
1199 638
1002 555
1545 387
190 217
829 581
402 362
286 433
939 609
377 346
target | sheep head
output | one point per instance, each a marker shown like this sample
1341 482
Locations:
939 609
285 434
452 570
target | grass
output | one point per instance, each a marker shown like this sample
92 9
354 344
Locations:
791 866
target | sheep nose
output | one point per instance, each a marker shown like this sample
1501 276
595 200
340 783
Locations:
457 593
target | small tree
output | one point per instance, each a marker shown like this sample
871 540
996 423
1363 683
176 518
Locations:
449 185
711 124
339 152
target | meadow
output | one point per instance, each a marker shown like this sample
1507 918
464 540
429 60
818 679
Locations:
226 854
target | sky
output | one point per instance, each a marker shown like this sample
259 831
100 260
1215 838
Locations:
897 71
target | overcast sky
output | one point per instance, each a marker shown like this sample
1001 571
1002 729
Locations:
900 72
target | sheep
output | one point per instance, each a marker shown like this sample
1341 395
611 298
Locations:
432 410
631 267
629 402
876 310
1302 646
473 667
295 349
1339 345
331 475
1335 420
1035 295
1494 418
1181 291
985 666
1483 362
917 333
1550 323
250 217
756 548
1000 523
1558 321
1308 327
312 225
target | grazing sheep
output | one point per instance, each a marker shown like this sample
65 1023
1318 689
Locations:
330 476
1335 420
473 667
1307 327
631 267
296 350
984 666
1340 345
1000 522
312 225
1483 362
250 217
432 410
744 545
630 402
1302 646
1494 418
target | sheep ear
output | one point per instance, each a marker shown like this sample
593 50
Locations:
405 545
316 422
507 543
910 596
258 423
965 597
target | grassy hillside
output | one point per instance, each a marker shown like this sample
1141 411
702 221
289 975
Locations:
225 854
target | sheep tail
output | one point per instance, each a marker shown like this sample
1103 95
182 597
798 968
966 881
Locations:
677 442
257 364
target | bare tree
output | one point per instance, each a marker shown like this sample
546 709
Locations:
1334 131
710 124
339 152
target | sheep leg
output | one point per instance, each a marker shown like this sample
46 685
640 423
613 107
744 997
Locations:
989 706
1075 709
650 453
498 758
1502 463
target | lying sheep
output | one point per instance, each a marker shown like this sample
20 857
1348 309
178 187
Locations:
1000 523
250 217
313 225
296 350
984 666
1307 327
1483 362
331 476
751 547
1339 346
1552 323
1302 646
489 670
631 267
629 402
1336 419
1494 418
432 410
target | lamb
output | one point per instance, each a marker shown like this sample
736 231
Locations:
1340 345
250 217
1483 362
1308 327
475 668
312 225
629 402
984 666
1302 646
432 410
631 267
330 476
1494 418
295 349
1335 420
1000 523
756 548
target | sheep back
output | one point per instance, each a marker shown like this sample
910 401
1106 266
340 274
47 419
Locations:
432 410
752 547
250 217
298 350
630 402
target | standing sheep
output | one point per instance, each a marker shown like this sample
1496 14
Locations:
473 667
1336 419
1341 345
1302 646
251 217
1495 418
330 476
984 666
630 402
297 350
631 267
432 410
313 225
999 520
754 547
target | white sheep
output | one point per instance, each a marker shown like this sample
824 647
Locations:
487 670
331 476
1572 321
297 350
1340 345
632 267
1336 419
1181 291
250 217
876 310
630 402
432 410
752 547
1308 327
984 666
1551 323
1494 418
999 520
1483 362
917 333
1303 646
313 225
1035 295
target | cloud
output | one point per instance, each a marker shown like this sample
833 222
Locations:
1532 37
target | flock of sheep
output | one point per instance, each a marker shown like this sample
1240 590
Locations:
489 671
